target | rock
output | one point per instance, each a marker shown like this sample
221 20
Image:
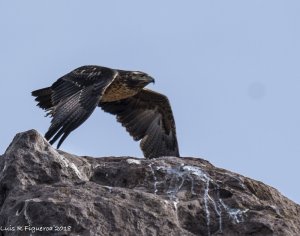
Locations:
44 191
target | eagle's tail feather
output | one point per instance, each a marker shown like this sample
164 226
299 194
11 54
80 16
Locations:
43 97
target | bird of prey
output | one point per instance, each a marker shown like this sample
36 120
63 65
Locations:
145 114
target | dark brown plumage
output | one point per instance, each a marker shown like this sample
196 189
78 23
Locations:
145 114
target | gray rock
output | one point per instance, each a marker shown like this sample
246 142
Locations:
44 191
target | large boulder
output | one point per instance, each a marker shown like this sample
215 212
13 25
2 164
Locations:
44 191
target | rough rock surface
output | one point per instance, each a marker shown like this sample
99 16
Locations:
50 192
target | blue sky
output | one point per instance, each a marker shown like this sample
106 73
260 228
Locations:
229 68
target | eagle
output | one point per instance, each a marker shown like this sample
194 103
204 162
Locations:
146 114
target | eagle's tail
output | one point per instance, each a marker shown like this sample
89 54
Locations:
43 97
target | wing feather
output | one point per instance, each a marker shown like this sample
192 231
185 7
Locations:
148 117
72 99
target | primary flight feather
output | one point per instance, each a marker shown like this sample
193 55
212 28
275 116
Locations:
146 115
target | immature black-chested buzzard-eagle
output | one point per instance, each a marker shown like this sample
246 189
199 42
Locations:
145 114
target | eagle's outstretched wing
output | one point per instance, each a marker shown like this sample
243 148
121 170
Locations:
147 116
72 99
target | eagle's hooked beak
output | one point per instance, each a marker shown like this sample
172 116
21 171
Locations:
151 80
141 78
146 80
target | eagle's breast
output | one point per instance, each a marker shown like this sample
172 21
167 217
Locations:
118 90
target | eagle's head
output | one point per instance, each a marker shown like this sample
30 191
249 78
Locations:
137 79
140 79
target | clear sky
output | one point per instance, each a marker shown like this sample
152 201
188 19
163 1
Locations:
229 68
